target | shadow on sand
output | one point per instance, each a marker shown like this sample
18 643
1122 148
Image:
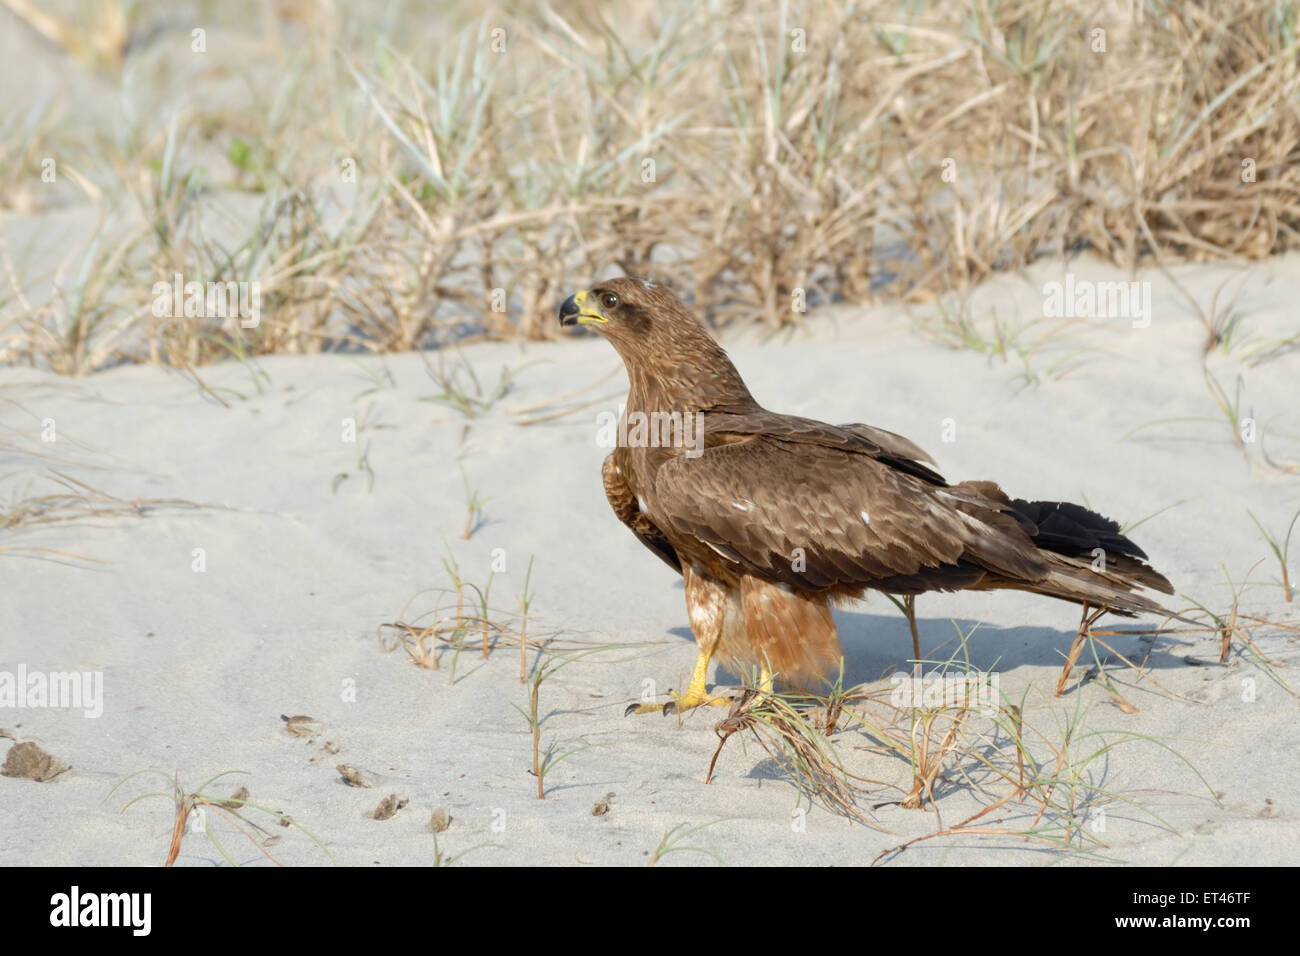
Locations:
878 645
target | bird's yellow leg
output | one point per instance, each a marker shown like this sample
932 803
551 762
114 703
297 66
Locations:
697 694
764 678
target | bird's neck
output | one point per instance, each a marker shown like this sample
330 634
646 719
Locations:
679 379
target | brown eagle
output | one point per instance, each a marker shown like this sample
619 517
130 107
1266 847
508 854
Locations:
772 518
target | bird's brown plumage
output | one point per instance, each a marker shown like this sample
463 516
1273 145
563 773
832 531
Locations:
771 518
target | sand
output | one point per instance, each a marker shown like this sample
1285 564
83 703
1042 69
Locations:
208 624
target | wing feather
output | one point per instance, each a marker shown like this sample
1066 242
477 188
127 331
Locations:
816 517
628 509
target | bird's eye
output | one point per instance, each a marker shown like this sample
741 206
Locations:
609 300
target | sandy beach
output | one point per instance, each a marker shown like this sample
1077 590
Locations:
251 578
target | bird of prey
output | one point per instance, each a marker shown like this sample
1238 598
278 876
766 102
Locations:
770 519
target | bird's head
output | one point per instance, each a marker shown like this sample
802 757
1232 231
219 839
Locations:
623 308
660 342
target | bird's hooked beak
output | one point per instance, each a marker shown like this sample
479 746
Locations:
581 309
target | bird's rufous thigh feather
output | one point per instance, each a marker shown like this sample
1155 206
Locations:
706 605
792 634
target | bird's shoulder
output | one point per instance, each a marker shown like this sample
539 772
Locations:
618 477
813 440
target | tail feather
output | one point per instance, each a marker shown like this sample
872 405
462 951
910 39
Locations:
1072 529
1075 532
1067 579
1091 561
1088 558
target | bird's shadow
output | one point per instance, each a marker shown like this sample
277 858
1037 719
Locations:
879 645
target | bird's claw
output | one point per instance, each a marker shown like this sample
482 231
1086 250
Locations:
680 704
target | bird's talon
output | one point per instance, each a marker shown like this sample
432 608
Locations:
680 703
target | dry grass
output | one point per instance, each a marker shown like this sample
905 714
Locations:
1046 784
73 501
462 613
191 809
77 501
1036 770
401 181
